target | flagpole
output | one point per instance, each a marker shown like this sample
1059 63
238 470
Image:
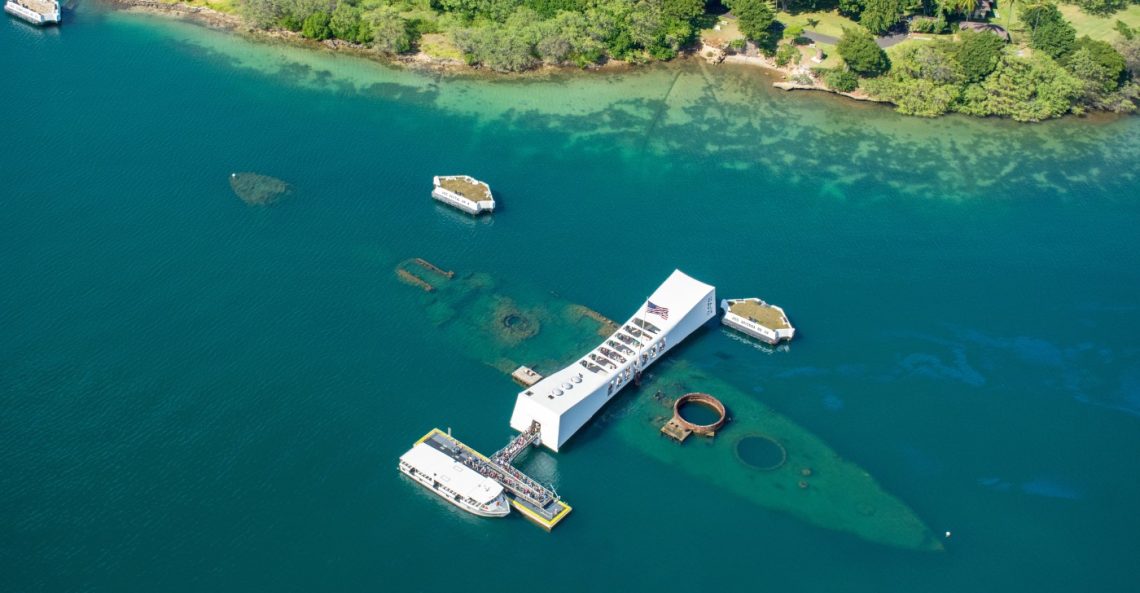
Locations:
637 370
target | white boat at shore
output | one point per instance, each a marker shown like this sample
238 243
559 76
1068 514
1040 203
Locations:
453 481
36 12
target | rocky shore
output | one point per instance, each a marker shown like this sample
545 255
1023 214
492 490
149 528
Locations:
231 22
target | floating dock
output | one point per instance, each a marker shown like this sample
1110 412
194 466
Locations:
754 317
36 12
533 500
463 192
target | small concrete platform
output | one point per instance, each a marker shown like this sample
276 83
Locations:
526 376
676 431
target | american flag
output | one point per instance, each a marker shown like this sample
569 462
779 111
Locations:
654 309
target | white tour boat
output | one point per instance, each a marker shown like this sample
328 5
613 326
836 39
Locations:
455 482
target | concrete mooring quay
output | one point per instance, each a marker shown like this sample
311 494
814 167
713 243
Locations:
535 501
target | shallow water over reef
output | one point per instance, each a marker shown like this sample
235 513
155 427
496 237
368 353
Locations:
203 395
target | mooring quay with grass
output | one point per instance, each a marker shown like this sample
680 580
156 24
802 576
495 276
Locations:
463 192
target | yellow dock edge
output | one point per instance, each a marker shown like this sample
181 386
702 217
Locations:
529 514
537 519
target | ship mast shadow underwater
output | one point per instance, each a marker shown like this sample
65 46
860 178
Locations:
509 325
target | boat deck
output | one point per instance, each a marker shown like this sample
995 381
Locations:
534 501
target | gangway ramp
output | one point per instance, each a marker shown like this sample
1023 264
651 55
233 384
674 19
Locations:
535 501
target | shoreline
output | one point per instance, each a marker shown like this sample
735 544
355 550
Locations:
233 23
223 21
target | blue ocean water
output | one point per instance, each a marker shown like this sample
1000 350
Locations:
203 395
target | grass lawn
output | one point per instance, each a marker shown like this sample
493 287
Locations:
830 57
438 45
228 6
830 23
1100 27
725 31
1086 24
894 50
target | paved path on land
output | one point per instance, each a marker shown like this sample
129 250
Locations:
883 42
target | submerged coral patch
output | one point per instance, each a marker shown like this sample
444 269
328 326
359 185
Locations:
257 189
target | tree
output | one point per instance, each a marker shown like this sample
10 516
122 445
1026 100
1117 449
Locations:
1048 29
915 96
1110 61
963 7
978 53
685 10
1026 89
316 26
879 16
1101 70
1129 49
843 81
389 30
346 24
1125 31
851 8
859 51
935 63
1102 7
753 17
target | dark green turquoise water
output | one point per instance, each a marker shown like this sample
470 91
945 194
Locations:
200 395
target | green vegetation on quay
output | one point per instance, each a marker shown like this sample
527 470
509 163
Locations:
1035 61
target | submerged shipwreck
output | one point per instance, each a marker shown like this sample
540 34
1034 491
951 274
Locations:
760 455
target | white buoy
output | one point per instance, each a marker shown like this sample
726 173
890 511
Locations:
947 534
233 174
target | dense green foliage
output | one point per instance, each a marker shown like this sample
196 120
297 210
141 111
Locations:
926 24
1026 89
1125 31
852 9
316 26
843 81
753 17
878 16
507 35
974 73
1103 72
787 53
1048 29
1129 49
978 53
859 51
1102 7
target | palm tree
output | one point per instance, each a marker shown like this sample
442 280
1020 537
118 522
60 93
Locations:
966 7
1032 11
